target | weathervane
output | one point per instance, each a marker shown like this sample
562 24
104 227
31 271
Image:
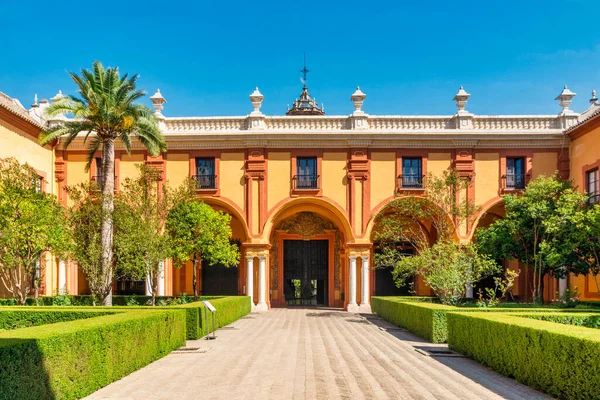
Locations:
304 71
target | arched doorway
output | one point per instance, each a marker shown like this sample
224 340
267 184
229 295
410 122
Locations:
306 262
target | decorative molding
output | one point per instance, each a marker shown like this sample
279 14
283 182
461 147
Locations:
60 171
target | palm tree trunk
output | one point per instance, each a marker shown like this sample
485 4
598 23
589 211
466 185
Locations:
108 190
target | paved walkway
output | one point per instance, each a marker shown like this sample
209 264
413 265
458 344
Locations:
313 354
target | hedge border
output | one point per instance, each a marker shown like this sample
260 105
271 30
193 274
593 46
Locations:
562 360
70 360
11 318
429 320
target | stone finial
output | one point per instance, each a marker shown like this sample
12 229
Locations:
461 99
256 98
157 101
35 101
566 98
358 98
594 99
58 96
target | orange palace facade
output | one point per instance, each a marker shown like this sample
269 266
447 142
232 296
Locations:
304 189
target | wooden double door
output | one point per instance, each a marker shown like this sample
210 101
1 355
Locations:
306 272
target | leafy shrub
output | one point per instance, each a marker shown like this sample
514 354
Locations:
132 301
569 298
73 359
562 360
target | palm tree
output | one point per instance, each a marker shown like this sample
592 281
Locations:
105 113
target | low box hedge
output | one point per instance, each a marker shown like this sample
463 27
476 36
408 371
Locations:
229 309
428 320
11 318
588 320
562 360
70 360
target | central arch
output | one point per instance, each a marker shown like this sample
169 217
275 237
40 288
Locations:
307 242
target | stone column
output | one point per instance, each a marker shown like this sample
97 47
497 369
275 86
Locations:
352 306
365 305
62 278
262 284
562 286
250 279
161 278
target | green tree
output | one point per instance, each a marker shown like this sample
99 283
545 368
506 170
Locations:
105 113
141 241
198 232
85 216
32 223
448 268
535 230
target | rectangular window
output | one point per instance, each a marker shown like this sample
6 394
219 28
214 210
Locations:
515 173
592 186
306 175
205 173
412 173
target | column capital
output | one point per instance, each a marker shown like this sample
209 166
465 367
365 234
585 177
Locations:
262 257
250 258
353 258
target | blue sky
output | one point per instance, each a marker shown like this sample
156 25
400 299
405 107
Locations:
408 57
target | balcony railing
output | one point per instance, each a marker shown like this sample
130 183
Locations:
205 182
306 182
410 181
98 180
514 181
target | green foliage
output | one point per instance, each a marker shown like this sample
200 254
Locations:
401 221
448 268
73 359
141 243
86 216
535 230
132 301
229 309
502 286
568 299
24 318
427 320
562 360
32 222
106 107
198 232
578 319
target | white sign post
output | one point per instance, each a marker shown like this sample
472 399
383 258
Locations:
210 308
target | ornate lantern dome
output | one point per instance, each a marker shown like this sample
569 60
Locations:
305 105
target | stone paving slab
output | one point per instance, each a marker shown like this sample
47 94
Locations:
308 353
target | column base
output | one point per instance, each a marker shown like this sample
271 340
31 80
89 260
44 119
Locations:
365 308
261 307
353 308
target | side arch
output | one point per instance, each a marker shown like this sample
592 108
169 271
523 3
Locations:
230 208
488 207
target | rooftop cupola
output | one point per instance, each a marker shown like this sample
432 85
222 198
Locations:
305 105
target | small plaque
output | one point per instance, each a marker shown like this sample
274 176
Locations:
209 306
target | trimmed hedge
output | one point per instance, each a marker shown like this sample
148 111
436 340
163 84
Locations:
229 309
70 360
562 360
424 319
579 319
86 300
428 320
24 318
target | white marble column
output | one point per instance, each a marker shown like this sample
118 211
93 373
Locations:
161 278
148 285
250 279
365 305
352 306
62 278
262 284
562 286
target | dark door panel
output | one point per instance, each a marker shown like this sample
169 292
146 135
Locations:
305 266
